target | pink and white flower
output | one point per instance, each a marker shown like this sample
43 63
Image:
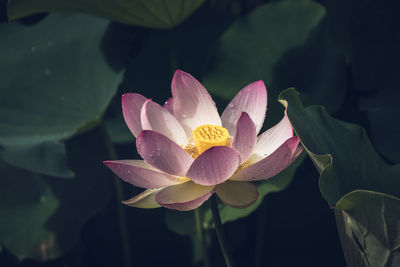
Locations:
190 152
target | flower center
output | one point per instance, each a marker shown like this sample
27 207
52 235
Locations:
207 136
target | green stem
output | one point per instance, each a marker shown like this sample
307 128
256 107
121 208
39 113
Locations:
220 233
122 221
200 236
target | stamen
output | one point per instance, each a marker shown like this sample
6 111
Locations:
207 136
191 149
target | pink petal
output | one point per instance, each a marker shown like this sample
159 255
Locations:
162 153
245 137
186 196
144 200
192 105
155 117
139 173
273 138
168 105
271 165
131 106
296 154
237 194
252 99
214 166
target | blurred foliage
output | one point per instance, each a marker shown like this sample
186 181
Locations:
47 158
52 56
41 217
33 203
62 75
56 83
148 13
56 55
186 48
286 44
367 31
382 110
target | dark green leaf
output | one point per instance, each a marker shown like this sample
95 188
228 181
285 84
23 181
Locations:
285 44
46 158
351 249
349 166
41 217
26 203
374 219
149 13
341 152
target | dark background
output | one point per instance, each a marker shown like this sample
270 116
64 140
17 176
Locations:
295 227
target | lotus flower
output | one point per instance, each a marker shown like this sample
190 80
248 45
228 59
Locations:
189 152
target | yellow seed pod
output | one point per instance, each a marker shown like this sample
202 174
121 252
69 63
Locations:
207 136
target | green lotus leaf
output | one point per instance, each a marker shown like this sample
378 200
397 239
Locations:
148 13
374 219
341 152
56 80
354 179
